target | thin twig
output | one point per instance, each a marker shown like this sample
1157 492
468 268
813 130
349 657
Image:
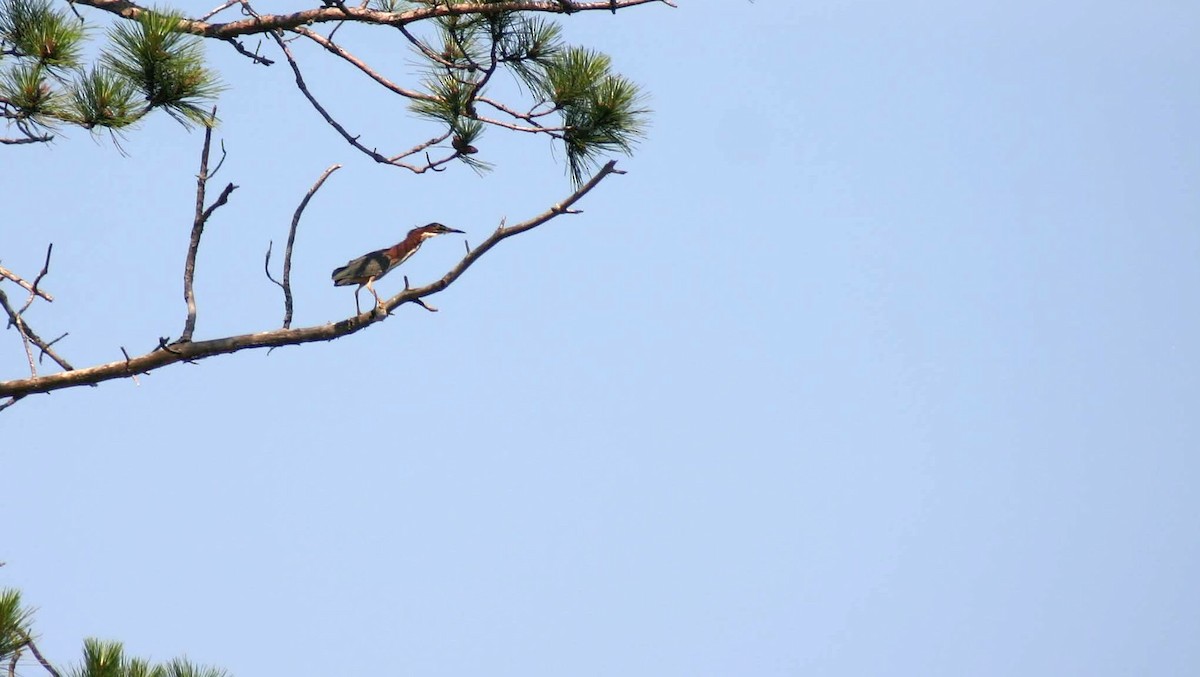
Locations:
34 288
9 275
267 265
253 56
501 233
217 10
287 253
45 138
329 119
221 162
29 335
353 140
422 146
131 374
341 52
221 200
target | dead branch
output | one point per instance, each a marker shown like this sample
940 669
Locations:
33 288
40 658
201 217
16 656
30 337
253 56
300 84
269 23
342 53
500 234
192 351
9 275
291 241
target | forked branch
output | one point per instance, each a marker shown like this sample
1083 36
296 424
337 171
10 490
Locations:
198 222
286 285
167 354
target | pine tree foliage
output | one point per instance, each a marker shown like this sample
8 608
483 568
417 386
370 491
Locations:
481 67
100 658
45 82
154 59
165 65
14 624
598 111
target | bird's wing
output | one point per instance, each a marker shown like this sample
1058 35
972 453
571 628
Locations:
359 270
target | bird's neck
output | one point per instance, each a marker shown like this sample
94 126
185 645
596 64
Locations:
409 244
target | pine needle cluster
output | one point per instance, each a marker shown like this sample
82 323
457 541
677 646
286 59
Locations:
100 658
44 81
598 111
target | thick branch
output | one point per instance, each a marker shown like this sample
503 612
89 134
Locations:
198 350
340 12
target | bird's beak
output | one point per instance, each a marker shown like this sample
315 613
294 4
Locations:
454 230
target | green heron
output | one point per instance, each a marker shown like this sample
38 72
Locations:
366 269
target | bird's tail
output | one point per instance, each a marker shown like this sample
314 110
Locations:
340 278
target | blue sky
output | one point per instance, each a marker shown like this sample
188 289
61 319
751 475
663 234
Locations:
881 359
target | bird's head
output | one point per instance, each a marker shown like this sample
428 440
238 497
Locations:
432 230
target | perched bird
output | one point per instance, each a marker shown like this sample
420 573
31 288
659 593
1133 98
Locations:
366 269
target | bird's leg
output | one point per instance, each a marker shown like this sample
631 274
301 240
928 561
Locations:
357 308
378 301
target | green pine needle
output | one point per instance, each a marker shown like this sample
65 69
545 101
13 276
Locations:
603 112
453 99
180 667
101 659
572 74
101 98
14 623
166 65
36 31
530 48
25 87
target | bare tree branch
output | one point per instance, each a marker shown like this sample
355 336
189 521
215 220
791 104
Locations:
40 658
29 336
9 275
268 23
341 52
291 241
253 56
201 217
16 654
198 350
502 233
33 288
44 138
351 139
